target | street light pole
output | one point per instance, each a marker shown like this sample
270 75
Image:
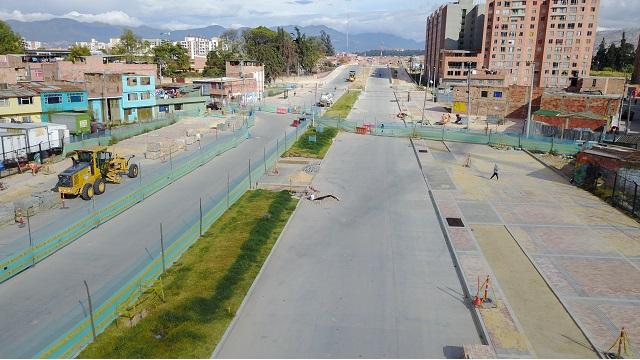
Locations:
533 73
468 93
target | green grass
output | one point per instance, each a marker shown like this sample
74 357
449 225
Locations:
343 106
317 150
204 289
611 73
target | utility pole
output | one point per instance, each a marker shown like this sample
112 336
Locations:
533 75
626 126
468 93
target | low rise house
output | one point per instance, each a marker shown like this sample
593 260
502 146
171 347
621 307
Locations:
230 89
20 104
104 92
138 97
567 110
56 98
177 98
248 69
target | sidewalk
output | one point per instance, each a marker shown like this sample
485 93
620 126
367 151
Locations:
542 239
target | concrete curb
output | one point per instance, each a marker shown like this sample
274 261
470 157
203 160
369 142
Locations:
564 306
477 318
232 325
547 165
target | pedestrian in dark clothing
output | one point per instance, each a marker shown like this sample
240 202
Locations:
495 172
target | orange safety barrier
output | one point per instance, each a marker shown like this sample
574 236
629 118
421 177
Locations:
281 110
361 130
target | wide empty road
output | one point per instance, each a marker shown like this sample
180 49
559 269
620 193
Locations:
367 276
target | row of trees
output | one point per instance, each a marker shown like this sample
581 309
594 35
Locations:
280 52
617 58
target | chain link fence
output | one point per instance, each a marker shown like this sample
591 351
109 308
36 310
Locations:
620 188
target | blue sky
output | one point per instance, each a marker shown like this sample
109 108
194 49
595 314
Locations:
401 17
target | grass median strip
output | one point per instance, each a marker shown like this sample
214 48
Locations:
310 149
204 288
342 107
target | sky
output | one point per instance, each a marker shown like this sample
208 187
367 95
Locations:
405 18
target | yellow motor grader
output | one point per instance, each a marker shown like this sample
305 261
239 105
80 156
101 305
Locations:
91 169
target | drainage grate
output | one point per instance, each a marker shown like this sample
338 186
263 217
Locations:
455 222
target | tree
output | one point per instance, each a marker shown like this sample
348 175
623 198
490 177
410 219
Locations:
287 50
600 58
310 50
326 42
77 52
130 46
626 53
612 56
216 62
10 42
173 58
261 45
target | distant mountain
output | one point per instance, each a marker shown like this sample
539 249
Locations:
614 36
67 31
358 42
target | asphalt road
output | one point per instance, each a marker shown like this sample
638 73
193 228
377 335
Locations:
367 276
40 304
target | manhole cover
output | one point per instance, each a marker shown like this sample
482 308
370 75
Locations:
455 222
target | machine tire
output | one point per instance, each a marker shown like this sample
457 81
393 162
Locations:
99 187
133 171
87 192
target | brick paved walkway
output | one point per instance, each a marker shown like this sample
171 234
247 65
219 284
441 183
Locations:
587 251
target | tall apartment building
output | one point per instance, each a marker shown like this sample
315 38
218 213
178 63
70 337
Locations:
199 46
555 35
454 40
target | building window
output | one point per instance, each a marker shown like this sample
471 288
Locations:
163 108
484 94
25 100
497 94
76 98
26 119
177 107
132 81
132 97
145 80
145 96
4 102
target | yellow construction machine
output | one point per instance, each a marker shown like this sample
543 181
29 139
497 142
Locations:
352 76
91 169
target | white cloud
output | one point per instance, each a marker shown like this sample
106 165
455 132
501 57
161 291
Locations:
109 17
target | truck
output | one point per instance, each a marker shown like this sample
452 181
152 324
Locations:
326 100
21 142
352 76
77 123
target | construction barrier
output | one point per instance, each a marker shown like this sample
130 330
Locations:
94 216
110 305
444 133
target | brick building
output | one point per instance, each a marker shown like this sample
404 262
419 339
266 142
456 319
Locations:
247 69
229 89
568 110
453 26
555 35
635 79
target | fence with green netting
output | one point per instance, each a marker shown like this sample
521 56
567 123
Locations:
113 300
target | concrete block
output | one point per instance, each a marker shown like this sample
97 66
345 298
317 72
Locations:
154 146
153 155
191 132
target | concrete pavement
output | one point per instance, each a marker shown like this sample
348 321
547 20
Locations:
40 304
367 276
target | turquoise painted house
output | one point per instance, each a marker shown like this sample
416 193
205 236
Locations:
138 97
60 98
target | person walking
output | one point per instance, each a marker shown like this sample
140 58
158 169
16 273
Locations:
495 172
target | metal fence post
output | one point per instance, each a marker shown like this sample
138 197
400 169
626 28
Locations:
250 180
264 158
613 194
635 196
277 147
228 189
200 217
93 325
164 268
33 256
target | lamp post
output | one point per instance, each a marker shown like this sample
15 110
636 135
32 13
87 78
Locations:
533 72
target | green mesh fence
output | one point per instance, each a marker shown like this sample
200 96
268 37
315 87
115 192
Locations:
114 300
533 143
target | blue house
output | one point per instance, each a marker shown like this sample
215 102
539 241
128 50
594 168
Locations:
138 97
60 98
